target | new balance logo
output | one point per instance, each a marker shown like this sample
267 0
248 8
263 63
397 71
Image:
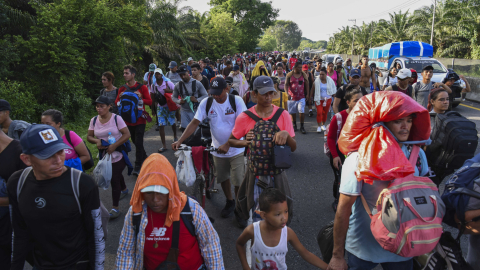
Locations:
158 232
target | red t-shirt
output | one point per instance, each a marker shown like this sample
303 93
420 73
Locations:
147 100
332 133
244 123
189 256
292 62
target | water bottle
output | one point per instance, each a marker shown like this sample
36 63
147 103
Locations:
462 84
111 140
140 104
325 102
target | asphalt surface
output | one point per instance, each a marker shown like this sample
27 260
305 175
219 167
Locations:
310 179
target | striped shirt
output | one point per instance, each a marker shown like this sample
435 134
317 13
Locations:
130 252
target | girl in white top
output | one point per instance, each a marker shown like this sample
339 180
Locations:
391 78
270 236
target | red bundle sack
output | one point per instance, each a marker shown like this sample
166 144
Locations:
380 157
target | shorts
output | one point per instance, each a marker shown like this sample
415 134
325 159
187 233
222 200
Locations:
165 116
232 168
296 106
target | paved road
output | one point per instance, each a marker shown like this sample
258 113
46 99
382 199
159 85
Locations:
310 180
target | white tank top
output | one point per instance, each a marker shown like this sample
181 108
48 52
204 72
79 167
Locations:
264 257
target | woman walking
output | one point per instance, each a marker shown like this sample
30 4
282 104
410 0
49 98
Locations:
109 90
323 88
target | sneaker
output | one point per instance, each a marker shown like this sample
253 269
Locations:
123 194
323 128
241 223
435 262
319 130
302 129
450 250
228 209
114 214
295 127
136 172
310 113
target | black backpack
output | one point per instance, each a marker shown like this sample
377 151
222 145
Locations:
454 140
261 156
89 164
231 99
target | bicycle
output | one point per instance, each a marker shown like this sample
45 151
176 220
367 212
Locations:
204 184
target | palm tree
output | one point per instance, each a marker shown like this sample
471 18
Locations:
396 29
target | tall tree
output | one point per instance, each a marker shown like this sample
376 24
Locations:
287 34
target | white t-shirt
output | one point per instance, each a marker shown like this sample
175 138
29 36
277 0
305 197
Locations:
145 78
389 81
222 120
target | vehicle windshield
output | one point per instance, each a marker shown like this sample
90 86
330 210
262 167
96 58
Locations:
418 65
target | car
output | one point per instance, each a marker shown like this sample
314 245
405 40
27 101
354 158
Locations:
327 58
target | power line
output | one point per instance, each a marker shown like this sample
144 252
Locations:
401 6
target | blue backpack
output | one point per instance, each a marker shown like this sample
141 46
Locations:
128 108
458 191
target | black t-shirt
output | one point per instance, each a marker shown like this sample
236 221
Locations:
341 94
47 216
205 83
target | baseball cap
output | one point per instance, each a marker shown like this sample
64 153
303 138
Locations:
452 76
155 188
270 58
190 59
159 70
217 86
305 67
152 67
404 73
172 64
4 105
339 61
182 69
229 79
263 84
348 59
101 100
427 68
355 72
41 141
236 67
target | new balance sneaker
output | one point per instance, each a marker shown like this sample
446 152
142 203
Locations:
114 213
323 128
123 194
450 250
228 209
319 130
435 262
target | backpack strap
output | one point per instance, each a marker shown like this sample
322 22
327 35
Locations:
175 236
252 115
95 120
75 179
209 104
365 205
182 86
414 155
21 180
67 136
136 218
277 115
231 98
187 218
194 87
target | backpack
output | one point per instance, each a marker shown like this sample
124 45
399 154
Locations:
459 189
89 164
128 108
194 90
231 99
408 221
75 179
261 157
326 150
454 140
409 89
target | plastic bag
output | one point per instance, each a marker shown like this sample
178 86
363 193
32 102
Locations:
380 157
184 169
102 174
325 241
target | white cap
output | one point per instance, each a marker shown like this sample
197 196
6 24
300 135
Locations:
270 58
156 188
190 59
339 60
159 70
404 73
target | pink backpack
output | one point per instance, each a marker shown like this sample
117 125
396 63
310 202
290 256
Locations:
409 215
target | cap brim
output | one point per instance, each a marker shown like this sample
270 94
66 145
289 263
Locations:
99 102
264 90
50 151
215 92
156 188
171 66
182 72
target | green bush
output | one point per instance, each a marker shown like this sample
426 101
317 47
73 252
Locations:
23 102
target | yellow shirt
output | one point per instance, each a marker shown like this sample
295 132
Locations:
276 102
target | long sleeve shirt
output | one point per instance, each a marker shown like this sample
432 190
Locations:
46 216
147 100
200 93
130 250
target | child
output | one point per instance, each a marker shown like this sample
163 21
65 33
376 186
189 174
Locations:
270 236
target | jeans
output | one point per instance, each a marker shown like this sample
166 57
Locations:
355 263
137 133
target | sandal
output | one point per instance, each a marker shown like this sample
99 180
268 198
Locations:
161 150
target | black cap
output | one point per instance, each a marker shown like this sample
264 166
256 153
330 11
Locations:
217 86
4 105
236 67
229 79
427 68
182 70
101 100
453 76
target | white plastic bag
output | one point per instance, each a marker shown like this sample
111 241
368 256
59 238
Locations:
184 169
102 174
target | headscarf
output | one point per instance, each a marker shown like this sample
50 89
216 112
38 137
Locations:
157 170
243 87
256 70
380 157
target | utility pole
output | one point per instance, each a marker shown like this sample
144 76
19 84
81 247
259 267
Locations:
371 34
353 32
433 21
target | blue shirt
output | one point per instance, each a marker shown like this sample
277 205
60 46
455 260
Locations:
360 241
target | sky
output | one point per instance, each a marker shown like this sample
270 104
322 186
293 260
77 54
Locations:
319 19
